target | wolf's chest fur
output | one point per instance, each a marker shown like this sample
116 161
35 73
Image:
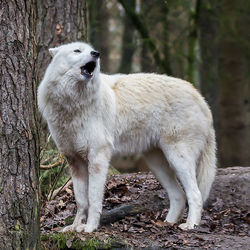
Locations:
75 132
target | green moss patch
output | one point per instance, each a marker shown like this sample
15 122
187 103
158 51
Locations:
77 241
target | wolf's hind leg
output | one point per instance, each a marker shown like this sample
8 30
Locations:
79 173
182 160
158 164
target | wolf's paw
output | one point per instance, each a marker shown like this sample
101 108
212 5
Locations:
169 223
74 228
186 226
90 228
80 228
69 228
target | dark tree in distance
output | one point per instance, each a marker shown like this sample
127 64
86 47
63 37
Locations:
19 155
128 43
234 82
192 37
146 38
208 42
148 64
98 33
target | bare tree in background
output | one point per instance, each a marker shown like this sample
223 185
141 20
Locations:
150 43
19 156
224 43
234 82
208 42
128 42
99 30
148 13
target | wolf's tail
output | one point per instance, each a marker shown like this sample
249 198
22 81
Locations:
206 169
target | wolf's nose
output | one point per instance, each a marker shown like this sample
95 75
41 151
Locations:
95 53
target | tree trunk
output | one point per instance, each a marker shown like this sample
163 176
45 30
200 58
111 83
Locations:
99 30
166 31
147 62
19 157
59 21
149 13
128 45
234 82
208 42
193 35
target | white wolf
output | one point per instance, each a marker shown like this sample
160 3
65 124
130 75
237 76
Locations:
92 116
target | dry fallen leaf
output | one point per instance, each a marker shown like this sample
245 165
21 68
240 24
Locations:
69 191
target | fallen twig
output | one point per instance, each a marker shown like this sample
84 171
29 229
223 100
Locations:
121 212
61 189
56 164
56 180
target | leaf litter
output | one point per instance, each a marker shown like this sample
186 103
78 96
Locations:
223 223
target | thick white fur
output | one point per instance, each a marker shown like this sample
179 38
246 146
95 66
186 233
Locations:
92 119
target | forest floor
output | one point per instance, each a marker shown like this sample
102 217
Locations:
225 219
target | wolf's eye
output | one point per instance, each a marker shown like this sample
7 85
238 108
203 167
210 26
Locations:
77 51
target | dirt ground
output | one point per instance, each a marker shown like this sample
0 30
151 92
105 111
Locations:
225 220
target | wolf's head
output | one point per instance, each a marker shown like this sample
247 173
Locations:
78 61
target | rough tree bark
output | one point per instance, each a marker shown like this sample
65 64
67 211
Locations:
59 22
234 82
19 155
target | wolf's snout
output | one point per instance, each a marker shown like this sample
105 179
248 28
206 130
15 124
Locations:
95 53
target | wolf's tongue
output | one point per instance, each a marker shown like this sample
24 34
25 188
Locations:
84 71
88 68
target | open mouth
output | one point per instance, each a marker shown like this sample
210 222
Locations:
88 69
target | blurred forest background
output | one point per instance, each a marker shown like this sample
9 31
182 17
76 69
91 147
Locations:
206 42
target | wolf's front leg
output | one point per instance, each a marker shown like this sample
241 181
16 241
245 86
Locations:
98 169
79 173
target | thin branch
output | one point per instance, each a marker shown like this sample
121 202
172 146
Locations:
61 189
56 164
47 160
55 181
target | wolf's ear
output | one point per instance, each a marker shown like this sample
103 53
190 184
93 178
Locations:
53 51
